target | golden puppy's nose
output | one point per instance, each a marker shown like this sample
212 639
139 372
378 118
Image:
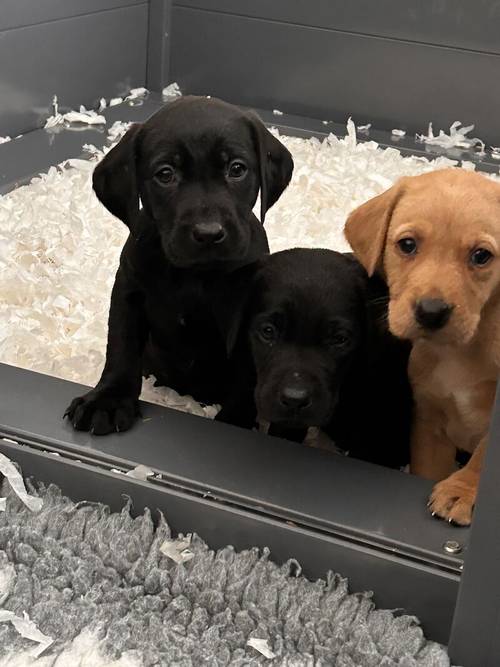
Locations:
432 314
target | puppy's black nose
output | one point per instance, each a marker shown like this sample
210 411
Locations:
295 396
207 233
432 313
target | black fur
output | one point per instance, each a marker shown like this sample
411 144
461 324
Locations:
173 182
310 347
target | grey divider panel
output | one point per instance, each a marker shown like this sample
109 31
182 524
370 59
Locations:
457 23
18 13
367 507
221 525
475 637
332 74
158 44
36 151
80 59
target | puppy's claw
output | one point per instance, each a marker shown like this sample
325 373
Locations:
433 514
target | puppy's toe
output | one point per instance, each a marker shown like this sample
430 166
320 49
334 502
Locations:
81 417
70 410
124 418
453 500
102 423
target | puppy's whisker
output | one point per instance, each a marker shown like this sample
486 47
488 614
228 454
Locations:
380 300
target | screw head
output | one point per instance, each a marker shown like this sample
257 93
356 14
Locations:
452 547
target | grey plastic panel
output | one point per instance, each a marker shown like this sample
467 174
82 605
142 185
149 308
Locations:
159 44
333 493
424 591
17 13
475 637
36 151
331 75
80 59
458 23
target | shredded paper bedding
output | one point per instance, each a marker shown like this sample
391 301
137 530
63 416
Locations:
59 248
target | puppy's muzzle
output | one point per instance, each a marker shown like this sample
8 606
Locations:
208 233
432 314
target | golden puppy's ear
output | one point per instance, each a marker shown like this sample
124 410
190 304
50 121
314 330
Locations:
366 227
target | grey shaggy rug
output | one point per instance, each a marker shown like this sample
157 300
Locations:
98 584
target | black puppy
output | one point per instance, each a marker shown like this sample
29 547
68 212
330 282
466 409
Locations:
310 348
185 183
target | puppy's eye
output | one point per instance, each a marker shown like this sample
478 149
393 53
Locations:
338 339
480 257
268 332
165 175
237 169
408 245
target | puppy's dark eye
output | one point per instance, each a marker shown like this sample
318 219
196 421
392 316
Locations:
165 175
237 169
268 332
338 339
480 257
408 245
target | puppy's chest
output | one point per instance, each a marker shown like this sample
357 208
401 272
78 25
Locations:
461 388
173 302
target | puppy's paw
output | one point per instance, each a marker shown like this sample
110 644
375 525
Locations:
453 499
101 413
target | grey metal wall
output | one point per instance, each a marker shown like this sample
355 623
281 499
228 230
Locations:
390 62
80 50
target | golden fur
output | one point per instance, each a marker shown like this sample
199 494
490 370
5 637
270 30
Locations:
453 370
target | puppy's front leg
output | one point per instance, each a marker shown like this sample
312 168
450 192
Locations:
454 498
114 403
432 454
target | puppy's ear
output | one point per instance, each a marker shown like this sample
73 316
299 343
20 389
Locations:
275 164
366 227
114 179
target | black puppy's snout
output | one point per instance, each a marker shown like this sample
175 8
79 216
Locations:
432 314
208 233
295 396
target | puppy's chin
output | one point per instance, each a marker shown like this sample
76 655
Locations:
274 414
186 256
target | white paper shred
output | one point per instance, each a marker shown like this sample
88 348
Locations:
398 133
137 93
262 646
277 112
117 130
178 550
102 104
9 470
495 152
26 628
3 504
85 116
457 138
59 249
7 580
140 472
172 90
4 140
364 128
115 101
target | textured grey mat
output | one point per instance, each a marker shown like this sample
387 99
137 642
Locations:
81 571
